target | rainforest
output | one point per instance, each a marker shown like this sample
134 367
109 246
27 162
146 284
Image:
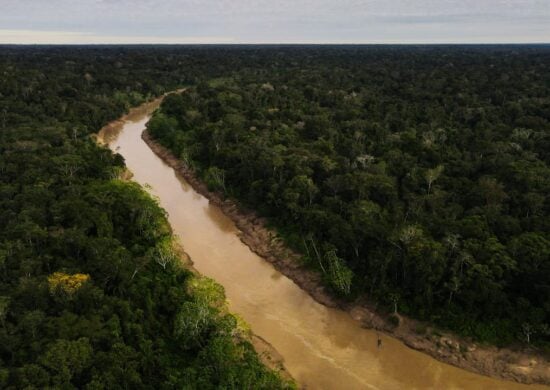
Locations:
92 294
410 180
419 177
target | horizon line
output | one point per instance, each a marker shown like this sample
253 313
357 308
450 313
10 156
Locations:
277 43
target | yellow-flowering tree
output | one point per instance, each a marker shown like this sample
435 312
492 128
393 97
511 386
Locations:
68 284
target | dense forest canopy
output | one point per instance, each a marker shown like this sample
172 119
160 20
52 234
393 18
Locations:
92 294
418 175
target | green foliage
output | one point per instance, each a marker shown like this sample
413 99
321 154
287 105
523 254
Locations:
426 168
66 359
340 276
92 294
215 179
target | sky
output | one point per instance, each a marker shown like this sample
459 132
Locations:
274 21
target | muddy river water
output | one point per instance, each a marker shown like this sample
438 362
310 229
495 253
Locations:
322 348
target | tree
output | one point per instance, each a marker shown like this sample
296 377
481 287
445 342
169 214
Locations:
432 175
4 305
528 331
32 321
207 291
492 191
66 284
69 165
394 298
215 178
164 253
192 322
67 359
305 187
340 275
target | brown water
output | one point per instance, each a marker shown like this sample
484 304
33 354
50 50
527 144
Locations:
323 348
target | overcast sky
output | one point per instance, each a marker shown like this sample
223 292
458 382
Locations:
274 21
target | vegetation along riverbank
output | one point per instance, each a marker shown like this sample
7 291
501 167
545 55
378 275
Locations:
92 292
392 187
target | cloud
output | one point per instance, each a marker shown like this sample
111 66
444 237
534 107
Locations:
360 21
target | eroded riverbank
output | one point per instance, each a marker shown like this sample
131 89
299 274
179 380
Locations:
490 361
322 347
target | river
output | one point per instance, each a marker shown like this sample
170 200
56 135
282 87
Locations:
322 348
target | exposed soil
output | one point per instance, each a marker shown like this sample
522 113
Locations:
525 366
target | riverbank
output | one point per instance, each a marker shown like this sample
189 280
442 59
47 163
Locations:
108 132
498 363
267 354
